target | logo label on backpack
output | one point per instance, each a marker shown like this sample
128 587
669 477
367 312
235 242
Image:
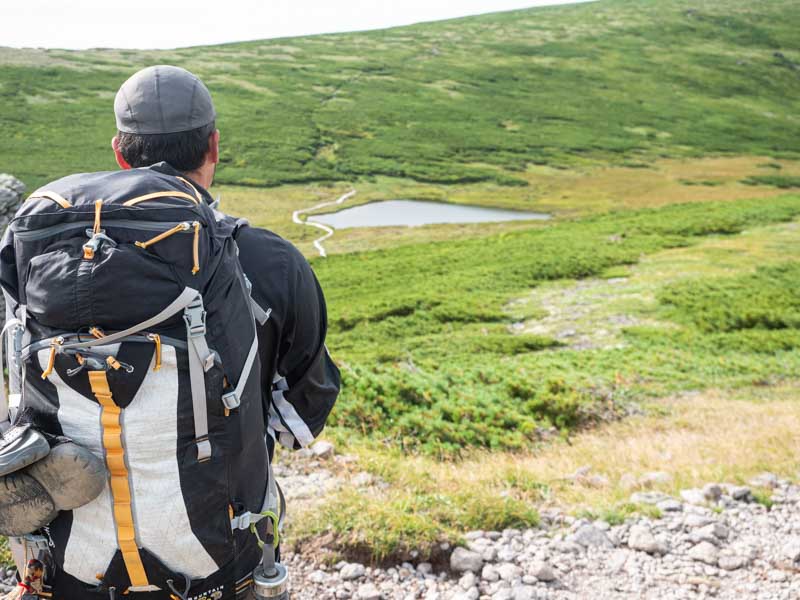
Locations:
214 594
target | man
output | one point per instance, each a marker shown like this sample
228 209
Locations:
166 121
203 464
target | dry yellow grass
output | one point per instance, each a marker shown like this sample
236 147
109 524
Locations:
664 182
712 436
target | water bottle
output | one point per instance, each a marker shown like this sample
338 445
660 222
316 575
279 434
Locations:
274 586
270 579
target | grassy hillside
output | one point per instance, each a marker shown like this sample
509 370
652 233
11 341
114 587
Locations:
663 134
479 99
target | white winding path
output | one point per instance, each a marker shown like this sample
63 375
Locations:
328 230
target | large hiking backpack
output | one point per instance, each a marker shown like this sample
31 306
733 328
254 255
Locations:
136 338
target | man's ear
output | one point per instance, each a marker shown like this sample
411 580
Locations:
123 164
213 147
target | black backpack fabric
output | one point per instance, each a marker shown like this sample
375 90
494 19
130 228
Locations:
136 337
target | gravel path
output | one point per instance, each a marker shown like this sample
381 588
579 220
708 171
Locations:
711 543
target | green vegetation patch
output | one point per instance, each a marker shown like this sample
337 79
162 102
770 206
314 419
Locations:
778 181
448 410
5 553
432 361
766 300
398 524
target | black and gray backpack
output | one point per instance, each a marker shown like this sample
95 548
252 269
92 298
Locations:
135 336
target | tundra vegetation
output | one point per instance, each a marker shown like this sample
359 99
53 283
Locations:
654 324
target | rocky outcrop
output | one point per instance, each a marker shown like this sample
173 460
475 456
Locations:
11 192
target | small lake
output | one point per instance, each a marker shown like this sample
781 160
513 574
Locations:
412 213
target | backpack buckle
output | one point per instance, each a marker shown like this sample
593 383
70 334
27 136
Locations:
242 521
36 542
195 317
231 400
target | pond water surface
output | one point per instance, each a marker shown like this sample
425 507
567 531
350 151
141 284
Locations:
411 213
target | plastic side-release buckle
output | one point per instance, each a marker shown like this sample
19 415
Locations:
242 521
36 542
195 317
231 400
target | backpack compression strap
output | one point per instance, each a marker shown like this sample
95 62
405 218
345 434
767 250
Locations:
120 486
201 359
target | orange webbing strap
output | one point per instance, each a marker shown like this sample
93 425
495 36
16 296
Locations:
98 206
156 339
120 487
57 198
196 248
155 195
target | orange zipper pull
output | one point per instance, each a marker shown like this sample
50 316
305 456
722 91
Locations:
155 338
196 267
97 332
51 362
185 226
113 363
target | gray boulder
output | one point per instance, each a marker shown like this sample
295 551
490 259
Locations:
11 192
641 538
368 591
589 535
352 571
541 571
694 496
791 550
462 560
705 552
733 562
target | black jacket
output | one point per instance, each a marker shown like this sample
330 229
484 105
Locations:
295 365
296 369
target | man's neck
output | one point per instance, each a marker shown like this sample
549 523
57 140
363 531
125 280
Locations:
201 177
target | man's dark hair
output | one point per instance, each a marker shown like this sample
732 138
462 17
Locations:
184 150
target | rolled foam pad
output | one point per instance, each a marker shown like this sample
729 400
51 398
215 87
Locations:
71 474
25 505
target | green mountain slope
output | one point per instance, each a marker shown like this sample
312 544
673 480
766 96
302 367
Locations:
472 99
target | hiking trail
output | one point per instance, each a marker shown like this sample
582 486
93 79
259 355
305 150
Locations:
329 231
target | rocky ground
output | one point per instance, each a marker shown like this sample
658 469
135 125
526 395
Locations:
715 542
